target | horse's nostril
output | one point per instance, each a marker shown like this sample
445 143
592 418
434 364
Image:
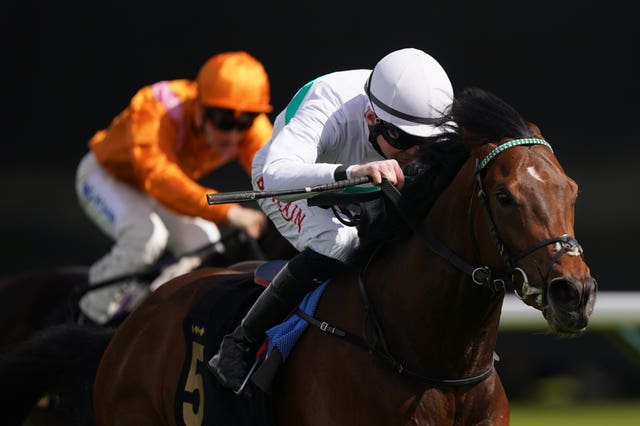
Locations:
564 292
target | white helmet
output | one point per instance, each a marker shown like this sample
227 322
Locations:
409 89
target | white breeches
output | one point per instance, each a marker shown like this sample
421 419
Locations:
142 229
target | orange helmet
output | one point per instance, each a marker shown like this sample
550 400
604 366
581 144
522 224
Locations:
234 80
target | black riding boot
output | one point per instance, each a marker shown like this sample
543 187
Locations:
236 356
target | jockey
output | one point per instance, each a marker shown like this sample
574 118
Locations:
342 125
138 182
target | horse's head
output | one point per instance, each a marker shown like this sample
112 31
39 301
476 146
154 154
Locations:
527 213
509 206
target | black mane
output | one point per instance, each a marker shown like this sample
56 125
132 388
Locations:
482 117
475 117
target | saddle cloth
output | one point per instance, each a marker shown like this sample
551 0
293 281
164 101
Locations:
200 398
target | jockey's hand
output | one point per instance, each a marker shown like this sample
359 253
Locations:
252 221
387 169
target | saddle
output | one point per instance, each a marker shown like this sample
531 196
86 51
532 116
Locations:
214 315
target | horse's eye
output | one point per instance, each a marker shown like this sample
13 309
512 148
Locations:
504 197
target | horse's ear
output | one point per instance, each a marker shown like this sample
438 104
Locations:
535 130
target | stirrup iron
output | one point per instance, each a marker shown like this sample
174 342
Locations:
239 391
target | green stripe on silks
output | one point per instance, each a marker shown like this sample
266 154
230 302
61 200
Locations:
293 106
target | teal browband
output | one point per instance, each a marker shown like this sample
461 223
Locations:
497 150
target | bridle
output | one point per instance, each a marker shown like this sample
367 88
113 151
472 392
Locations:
480 275
483 275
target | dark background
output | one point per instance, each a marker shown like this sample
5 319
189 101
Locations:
570 67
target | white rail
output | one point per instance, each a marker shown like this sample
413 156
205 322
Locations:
612 310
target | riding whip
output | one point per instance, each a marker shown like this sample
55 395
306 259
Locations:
243 196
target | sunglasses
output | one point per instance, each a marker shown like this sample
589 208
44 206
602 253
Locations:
226 119
396 137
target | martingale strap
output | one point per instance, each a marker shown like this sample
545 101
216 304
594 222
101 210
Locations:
395 364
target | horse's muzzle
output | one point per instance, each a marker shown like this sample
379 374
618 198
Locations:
569 304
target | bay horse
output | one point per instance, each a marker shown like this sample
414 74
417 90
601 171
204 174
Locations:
406 334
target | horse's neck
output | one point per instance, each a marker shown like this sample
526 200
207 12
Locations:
431 311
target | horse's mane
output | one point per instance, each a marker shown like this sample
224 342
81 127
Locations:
476 117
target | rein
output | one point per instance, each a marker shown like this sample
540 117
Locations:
481 275
382 350
384 353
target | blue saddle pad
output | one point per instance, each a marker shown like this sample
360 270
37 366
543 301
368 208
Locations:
285 335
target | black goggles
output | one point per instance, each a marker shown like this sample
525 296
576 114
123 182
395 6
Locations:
396 137
226 119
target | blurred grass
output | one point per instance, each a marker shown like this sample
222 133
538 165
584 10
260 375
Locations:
560 401
618 413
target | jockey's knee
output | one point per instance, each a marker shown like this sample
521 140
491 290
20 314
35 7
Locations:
309 266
